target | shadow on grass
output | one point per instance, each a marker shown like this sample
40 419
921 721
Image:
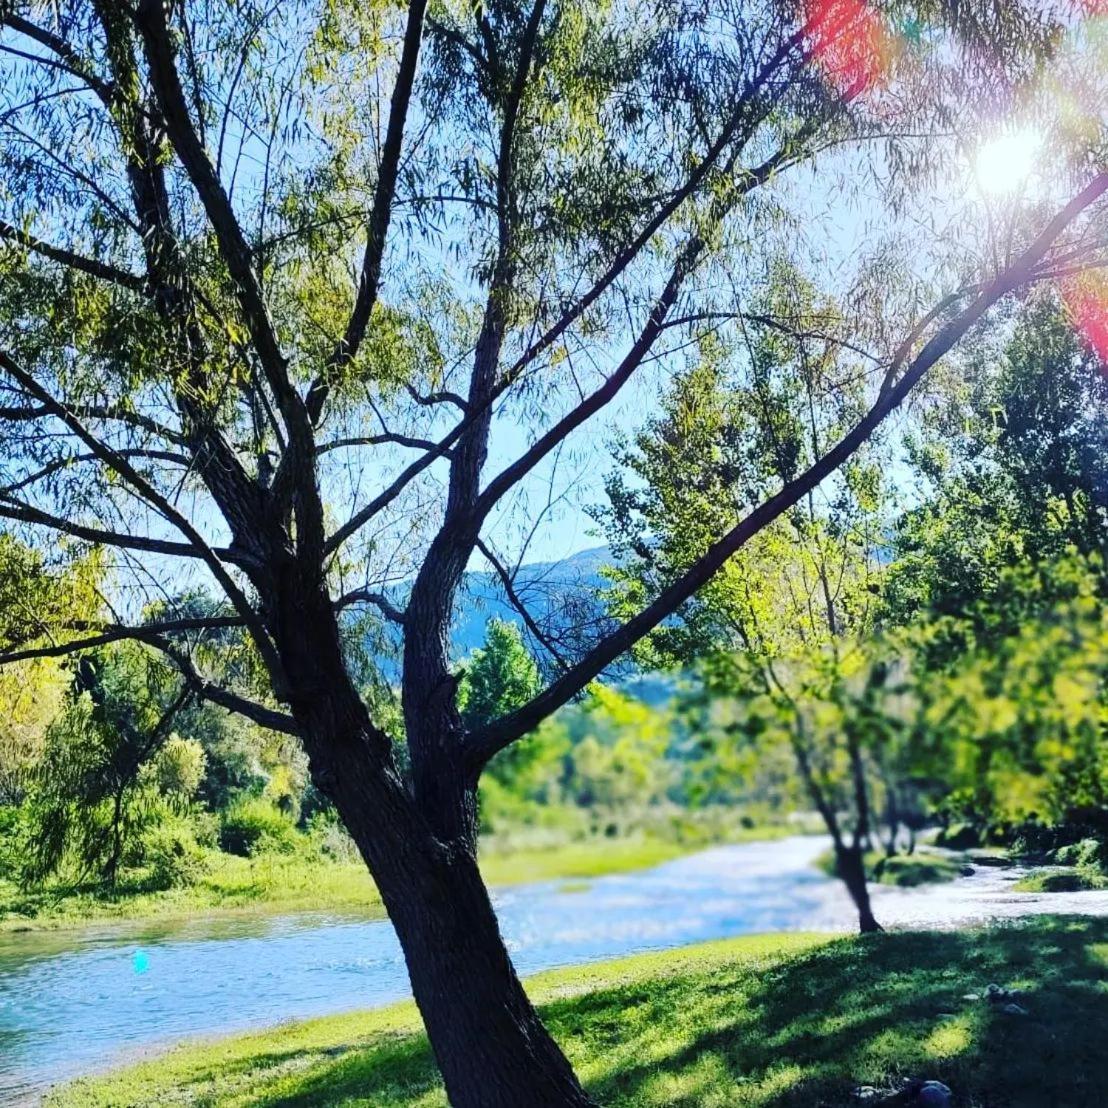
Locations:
792 1032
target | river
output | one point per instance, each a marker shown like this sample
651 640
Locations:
77 1002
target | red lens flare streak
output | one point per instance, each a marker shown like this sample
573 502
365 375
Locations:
1086 300
851 44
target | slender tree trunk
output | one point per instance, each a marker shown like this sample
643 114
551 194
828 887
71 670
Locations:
892 818
850 862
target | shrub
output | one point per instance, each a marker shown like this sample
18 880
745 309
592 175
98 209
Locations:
330 838
172 856
1074 882
14 832
179 768
960 836
256 826
1087 854
908 871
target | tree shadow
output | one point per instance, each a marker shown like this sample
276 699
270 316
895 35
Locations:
871 1011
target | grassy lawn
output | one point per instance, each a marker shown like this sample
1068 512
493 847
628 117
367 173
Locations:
782 1021
274 884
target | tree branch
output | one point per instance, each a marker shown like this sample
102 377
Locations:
626 256
378 599
378 440
516 602
233 702
70 61
64 463
493 738
19 512
369 279
155 499
98 412
109 633
101 270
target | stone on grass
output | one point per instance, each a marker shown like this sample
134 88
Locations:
934 1094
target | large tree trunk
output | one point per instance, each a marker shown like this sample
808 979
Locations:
850 862
490 1045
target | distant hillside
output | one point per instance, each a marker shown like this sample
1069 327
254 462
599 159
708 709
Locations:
561 593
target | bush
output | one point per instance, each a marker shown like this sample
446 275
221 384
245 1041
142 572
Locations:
256 826
1074 882
959 836
1088 854
172 855
13 840
908 871
330 838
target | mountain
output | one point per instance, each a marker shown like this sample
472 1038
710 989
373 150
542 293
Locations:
559 594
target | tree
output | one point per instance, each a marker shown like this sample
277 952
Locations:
242 282
96 788
499 677
33 595
729 429
1011 456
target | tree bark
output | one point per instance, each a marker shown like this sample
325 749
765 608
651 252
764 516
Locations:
490 1045
850 863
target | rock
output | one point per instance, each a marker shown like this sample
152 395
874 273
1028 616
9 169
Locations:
1014 1010
967 871
971 996
934 1094
867 1094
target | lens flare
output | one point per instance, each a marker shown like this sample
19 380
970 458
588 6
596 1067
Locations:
1086 300
1004 164
851 44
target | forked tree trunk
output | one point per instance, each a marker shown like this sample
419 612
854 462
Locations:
850 862
490 1045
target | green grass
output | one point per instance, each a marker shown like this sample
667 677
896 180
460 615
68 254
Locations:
1053 881
785 1021
924 867
274 883
269 883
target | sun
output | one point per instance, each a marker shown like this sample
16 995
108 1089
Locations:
1003 164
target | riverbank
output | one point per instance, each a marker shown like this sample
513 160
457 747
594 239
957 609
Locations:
778 1021
275 884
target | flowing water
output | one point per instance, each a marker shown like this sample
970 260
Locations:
76 1003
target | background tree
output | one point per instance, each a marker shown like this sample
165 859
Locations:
255 256
731 429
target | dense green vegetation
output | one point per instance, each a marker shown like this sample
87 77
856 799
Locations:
906 871
765 1022
305 881
138 805
951 674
